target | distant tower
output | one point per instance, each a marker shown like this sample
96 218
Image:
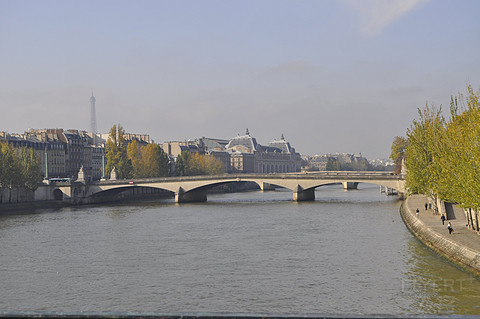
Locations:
93 118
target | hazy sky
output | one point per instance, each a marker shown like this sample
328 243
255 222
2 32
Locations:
332 76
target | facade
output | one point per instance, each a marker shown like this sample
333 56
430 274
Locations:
242 154
242 162
50 153
247 156
223 157
315 163
68 151
336 162
75 153
174 148
98 162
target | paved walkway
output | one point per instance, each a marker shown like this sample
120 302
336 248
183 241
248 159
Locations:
460 235
461 247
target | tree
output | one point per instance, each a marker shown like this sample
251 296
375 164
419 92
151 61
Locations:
212 165
188 164
10 167
462 151
148 161
135 155
155 161
443 158
31 170
117 153
423 152
397 155
181 163
19 170
332 164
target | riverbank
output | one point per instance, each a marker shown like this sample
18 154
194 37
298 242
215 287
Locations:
462 247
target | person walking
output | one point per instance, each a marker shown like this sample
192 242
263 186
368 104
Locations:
449 227
426 206
443 219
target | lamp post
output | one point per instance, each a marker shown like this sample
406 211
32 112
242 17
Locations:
103 166
46 162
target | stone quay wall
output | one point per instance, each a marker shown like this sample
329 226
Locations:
461 248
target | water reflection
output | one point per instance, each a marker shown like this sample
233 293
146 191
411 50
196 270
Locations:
345 253
439 286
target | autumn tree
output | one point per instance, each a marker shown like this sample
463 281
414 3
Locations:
155 161
135 155
148 160
189 164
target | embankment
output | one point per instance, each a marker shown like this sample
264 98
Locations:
462 247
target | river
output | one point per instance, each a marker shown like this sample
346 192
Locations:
348 252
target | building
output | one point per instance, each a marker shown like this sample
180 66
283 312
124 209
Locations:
175 148
98 162
69 150
315 162
336 162
248 156
50 153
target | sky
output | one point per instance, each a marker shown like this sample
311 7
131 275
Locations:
331 76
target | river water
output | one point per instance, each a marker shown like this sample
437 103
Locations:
255 252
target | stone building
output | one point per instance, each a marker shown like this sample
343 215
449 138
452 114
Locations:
315 162
174 148
50 153
247 156
99 161
68 150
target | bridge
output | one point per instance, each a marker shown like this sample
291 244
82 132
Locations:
194 188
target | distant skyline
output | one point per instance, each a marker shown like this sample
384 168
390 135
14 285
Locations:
333 76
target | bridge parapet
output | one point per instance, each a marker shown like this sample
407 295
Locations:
193 188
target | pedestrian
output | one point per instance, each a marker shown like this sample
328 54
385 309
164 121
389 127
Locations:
426 206
450 229
443 219
417 212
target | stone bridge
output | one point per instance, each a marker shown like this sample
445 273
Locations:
194 188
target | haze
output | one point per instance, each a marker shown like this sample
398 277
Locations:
332 76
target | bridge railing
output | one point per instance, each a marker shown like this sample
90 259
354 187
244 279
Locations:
245 176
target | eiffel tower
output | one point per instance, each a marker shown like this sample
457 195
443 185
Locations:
93 119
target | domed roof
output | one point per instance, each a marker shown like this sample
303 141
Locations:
243 140
283 145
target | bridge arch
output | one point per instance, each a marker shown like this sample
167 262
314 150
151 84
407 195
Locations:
301 184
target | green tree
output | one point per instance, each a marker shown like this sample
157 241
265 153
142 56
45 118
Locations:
423 154
397 155
461 160
31 170
181 162
117 153
332 164
10 167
